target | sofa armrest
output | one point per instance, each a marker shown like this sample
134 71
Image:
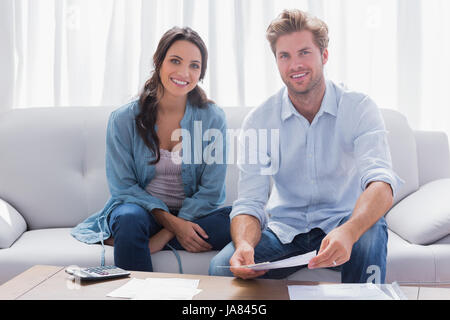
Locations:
12 225
433 156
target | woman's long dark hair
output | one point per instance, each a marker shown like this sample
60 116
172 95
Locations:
148 99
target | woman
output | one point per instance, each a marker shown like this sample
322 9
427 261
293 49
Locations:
158 197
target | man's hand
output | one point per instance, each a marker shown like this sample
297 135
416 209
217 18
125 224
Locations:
337 246
188 235
244 255
335 249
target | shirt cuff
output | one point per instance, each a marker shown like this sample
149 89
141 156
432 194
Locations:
383 175
253 211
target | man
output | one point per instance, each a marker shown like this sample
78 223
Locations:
334 181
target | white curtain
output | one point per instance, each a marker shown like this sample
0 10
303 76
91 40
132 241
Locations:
99 52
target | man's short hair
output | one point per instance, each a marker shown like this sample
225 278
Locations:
294 20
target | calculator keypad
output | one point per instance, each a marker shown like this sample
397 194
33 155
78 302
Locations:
104 271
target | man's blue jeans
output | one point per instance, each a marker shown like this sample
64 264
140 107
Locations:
368 254
132 226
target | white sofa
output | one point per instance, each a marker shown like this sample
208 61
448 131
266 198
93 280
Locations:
52 176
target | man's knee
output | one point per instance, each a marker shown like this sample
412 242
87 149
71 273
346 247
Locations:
221 259
368 259
375 238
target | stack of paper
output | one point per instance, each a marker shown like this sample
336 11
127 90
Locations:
157 289
346 291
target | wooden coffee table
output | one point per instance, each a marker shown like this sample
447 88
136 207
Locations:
53 283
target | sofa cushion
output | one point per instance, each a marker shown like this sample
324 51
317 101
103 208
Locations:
235 117
424 216
54 171
402 145
56 246
12 225
411 263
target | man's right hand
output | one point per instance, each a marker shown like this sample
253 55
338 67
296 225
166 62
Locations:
243 255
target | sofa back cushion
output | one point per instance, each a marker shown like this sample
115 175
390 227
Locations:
403 149
52 168
433 155
235 117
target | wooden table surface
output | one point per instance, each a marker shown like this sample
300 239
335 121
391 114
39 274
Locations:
52 282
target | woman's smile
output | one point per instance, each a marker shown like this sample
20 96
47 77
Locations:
179 82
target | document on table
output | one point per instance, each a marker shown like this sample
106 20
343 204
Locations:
157 289
346 291
299 260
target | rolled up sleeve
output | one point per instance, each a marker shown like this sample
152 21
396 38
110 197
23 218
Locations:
372 149
254 183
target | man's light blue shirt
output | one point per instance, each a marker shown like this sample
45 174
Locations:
320 168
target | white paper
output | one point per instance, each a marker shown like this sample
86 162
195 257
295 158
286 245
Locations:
299 260
129 289
173 282
167 293
158 289
345 291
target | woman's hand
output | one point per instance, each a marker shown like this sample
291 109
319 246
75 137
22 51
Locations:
189 235
159 240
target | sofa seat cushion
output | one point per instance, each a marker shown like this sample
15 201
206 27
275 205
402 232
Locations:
411 263
49 247
57 247
406 262
193 263
424 216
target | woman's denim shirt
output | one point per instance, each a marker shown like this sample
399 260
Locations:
203 170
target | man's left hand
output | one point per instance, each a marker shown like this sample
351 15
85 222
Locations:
335 249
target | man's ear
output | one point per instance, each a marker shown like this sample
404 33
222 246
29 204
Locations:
325 56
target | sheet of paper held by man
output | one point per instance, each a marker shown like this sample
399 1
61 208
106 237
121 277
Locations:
299 260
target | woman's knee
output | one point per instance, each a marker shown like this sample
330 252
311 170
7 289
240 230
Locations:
129 216
217 227
224 211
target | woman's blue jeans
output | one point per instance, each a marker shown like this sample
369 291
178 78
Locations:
132 226
367 260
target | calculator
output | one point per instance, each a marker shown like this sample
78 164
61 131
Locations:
97 273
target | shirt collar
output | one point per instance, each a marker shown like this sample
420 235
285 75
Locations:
187 115
329 103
